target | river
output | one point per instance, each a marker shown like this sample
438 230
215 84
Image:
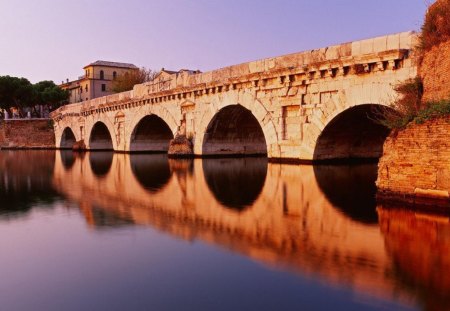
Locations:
104 231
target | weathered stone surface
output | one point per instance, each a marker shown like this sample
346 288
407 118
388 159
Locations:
26 134
181 146
292 98
416 164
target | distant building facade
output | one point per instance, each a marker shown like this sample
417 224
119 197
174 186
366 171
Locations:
97 80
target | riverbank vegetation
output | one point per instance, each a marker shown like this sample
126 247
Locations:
410 105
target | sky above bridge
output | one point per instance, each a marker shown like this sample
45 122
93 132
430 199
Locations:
53 39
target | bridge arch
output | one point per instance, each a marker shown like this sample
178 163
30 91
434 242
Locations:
68 139
154 119
348 134
101 162
100 137
236 123
152 172
151 134
351 189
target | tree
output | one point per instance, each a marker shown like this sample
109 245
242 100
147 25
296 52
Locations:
20 93
126 81
15 92
48 93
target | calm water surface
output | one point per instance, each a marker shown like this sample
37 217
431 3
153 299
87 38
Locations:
103 231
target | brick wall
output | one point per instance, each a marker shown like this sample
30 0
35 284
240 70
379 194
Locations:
26 134
416 164
435 72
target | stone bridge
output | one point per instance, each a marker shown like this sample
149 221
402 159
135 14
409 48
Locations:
314 105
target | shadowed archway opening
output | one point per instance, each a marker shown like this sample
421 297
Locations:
234 130
101 162
152 171
100 138
151 134
235 182
67 139
353 135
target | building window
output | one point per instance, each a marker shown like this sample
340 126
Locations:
114 75
86 88
103 87
102 75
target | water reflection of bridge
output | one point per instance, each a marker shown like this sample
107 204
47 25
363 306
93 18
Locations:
281 215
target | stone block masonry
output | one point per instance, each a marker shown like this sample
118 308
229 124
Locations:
415 166
27 134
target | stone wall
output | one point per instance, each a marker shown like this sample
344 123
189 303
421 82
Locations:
415 166
435 72
27 134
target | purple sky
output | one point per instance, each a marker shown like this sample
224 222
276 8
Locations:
54 39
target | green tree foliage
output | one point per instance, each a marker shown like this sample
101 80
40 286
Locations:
15 92
126 81
20 93
48 93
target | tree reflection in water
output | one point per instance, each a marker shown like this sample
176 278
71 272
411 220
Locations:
25 179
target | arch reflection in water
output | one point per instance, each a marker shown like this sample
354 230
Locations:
101 162
290 223
151 170
350 188
235 182
67 158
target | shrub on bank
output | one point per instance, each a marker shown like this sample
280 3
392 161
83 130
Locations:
410 105
433 110
405 108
